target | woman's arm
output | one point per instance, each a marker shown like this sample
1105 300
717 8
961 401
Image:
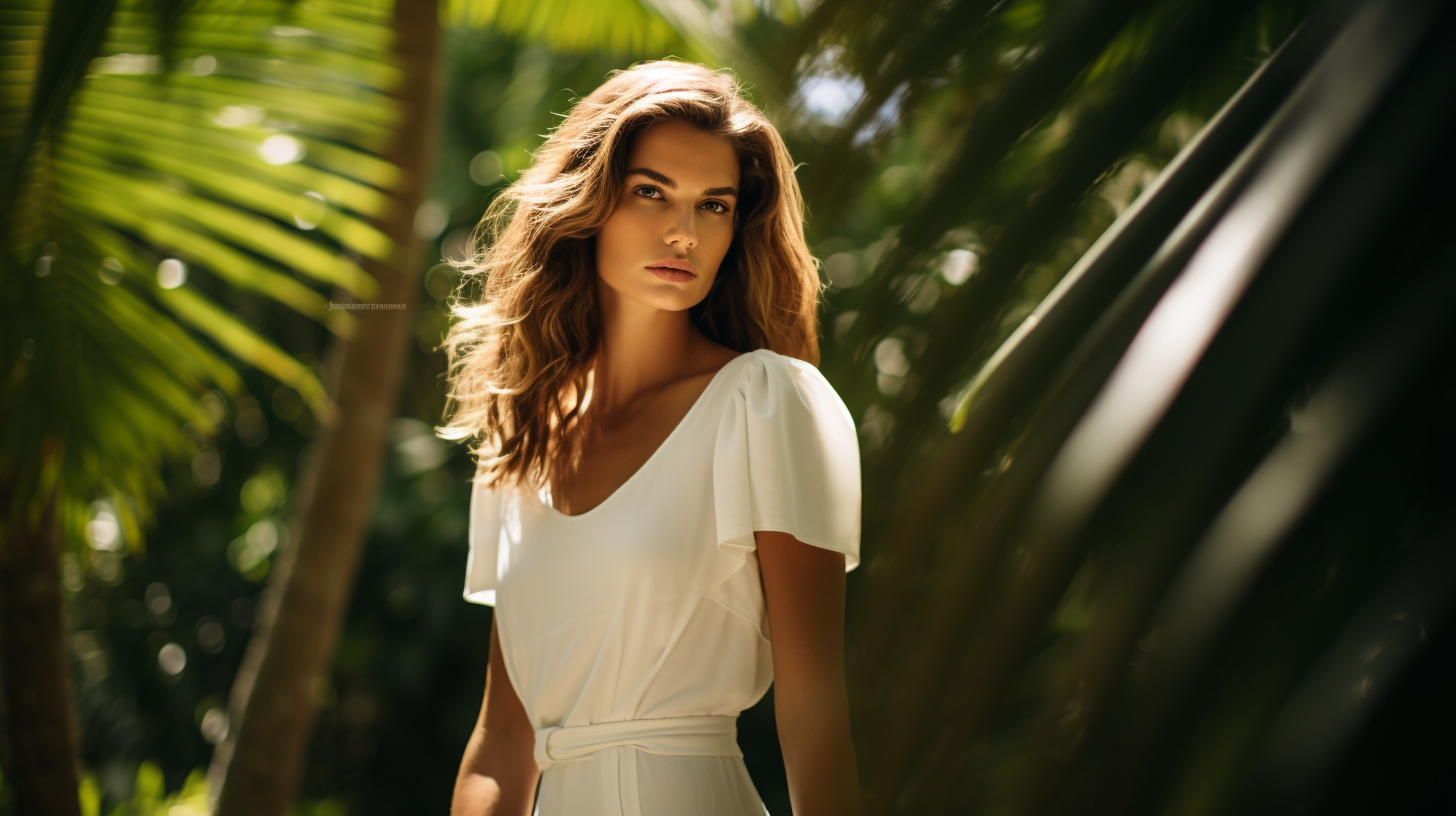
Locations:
804 589
498 772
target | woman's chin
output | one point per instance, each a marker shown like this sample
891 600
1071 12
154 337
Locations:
679 300
667 296
676 302
656 293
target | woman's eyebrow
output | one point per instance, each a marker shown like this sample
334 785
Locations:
672 185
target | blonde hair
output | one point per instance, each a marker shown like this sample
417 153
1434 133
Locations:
520 357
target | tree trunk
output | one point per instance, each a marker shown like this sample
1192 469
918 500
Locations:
256 770
40 747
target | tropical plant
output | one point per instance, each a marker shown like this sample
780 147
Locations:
1111 580
699 30
150 797
153 169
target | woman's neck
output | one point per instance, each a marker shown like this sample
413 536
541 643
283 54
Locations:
641 348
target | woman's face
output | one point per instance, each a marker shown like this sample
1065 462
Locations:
673 220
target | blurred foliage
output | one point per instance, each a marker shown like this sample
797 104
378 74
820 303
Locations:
1010 650
150 797
626 27
237 158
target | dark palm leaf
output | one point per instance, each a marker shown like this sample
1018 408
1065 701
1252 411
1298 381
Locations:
1114 430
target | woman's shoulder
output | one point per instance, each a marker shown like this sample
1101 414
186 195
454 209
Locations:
787 457
775 382
779 365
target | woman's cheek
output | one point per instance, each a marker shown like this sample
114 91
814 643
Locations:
723 239
615 242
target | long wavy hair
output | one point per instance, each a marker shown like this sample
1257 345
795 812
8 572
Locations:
520 357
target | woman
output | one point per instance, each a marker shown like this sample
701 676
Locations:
668 490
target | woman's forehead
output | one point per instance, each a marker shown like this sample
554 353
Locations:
688 156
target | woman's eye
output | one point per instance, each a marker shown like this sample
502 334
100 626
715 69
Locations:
647 191
717 206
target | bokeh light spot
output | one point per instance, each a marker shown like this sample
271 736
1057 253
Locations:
171 273
172 659
281 148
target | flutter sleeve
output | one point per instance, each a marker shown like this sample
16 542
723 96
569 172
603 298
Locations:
482 565
786 459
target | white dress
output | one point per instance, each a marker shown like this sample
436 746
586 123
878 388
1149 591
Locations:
634 633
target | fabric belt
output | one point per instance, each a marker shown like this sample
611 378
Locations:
708 735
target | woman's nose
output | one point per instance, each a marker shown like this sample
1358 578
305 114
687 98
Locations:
682 232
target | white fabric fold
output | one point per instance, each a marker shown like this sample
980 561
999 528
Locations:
482 563
786 459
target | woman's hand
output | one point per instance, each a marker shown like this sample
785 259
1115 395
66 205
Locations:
498 772
804 590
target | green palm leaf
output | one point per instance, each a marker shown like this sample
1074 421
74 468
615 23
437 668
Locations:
573 25
635 28
248 151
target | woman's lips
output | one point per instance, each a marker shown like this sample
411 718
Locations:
673 269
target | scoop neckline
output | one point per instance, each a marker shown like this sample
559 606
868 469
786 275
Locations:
702 397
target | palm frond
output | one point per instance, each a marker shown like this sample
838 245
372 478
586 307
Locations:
641 29
241 139
1056 585
621 26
